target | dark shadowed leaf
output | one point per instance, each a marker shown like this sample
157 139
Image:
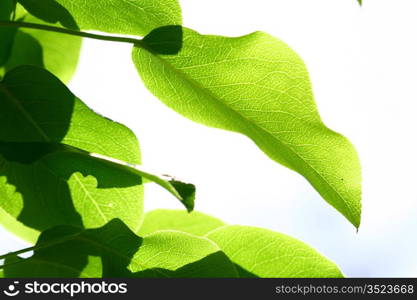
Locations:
7 8
37 108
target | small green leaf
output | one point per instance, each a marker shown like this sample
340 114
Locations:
360 2
115 251
262 253
254 85
35 107
133 17
194 223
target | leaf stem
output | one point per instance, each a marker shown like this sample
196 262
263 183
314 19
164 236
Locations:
119 39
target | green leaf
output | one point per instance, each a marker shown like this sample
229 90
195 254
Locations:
254 85
56 52
262 253
133 17
36 107
360 2
164 219
115 251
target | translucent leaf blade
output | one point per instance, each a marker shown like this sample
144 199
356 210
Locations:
257 86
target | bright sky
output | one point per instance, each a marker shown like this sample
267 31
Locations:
363 64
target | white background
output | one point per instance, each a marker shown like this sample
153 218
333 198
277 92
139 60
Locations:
363 64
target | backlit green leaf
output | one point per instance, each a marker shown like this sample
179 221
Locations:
56 52
263 253
164 219
255 85
133 17
36 107
115 251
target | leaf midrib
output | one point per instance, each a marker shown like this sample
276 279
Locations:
263 130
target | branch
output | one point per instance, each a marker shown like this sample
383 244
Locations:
71 32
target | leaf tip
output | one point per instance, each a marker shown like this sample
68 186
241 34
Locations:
187 193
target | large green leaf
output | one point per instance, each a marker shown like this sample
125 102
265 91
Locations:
114 251
56 52
262 253
37 107
134 17
255 85
164 219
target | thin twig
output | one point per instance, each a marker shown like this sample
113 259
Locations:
119 39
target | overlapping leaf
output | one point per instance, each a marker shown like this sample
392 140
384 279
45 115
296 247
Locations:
34 196
255 252
56 52
133 17
47 175
61 163
255 85
115 251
